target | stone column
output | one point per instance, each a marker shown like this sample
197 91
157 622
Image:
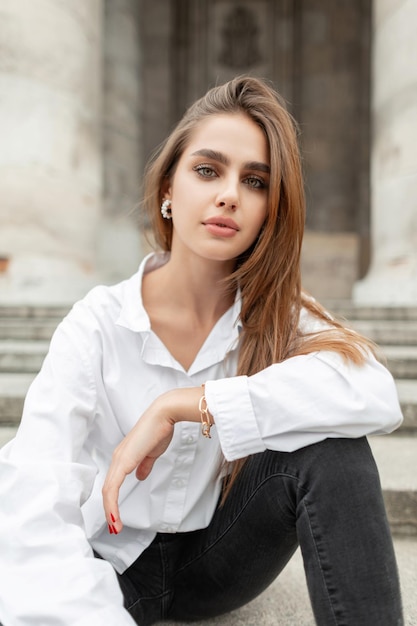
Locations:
119 236
50 148
392 278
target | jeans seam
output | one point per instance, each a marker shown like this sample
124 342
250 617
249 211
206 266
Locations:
319 561
142 598
165 592
165 596
210 546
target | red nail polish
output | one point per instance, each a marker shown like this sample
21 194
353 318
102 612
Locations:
110 529
114 530
113 519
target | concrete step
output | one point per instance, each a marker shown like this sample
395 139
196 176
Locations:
30 312
401 361
22 356
13 390
6 434
388 332
347 310
286 601
407 393
27 329
396 458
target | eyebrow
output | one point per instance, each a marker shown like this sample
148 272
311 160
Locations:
214 155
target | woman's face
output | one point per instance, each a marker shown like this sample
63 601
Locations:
219 191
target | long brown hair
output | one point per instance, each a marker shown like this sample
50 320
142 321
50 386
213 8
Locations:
268 274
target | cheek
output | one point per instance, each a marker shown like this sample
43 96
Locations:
259 222
185 195
262 214
257 226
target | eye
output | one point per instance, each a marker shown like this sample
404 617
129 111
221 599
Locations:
205 171
255 182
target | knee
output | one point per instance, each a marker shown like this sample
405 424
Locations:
340 464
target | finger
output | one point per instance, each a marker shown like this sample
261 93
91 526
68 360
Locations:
119 468
113 525
110 494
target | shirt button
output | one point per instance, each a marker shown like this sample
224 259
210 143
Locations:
166 529
179 482
190 439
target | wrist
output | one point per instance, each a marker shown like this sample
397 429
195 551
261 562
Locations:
182 404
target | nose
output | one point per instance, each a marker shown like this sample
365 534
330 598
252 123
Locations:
228 196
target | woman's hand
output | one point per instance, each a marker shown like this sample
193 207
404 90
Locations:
145 443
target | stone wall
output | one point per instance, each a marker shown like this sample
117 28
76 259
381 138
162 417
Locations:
50 149
393 274
119 246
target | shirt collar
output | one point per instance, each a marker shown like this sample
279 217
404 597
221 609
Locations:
134 317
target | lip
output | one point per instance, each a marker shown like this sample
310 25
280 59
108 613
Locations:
222 222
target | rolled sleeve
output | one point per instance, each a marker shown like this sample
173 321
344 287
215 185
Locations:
302 401
230 404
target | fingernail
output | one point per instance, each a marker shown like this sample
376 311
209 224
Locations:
114 530
110 529
113 519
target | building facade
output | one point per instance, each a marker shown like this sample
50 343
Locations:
87 95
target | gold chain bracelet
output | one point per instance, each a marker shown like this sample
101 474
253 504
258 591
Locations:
205 416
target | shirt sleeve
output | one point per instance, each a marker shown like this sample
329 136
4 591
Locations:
302 401
49 573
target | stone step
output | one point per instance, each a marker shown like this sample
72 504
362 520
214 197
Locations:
27 329
407 393
286 601
13 390
31 312
349 311
22 356
401 361
396 458
6 434
388 332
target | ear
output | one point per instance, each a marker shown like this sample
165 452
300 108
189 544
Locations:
166 189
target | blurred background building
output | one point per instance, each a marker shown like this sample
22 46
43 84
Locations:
88 88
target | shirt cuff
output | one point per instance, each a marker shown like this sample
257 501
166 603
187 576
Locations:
229 402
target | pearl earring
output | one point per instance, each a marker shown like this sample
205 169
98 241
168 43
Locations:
166 209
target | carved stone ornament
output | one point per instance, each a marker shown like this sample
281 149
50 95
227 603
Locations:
240 39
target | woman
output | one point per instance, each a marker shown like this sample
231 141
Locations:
237 410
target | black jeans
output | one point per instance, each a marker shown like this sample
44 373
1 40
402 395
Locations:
325 498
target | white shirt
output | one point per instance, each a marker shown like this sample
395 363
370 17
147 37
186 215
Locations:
104 367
